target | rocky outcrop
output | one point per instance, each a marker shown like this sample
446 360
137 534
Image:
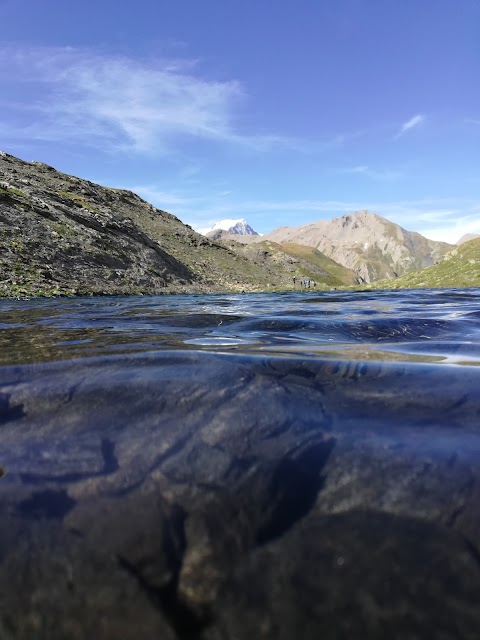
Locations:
368 244
195 496
226 236
60 235
63 235
303 262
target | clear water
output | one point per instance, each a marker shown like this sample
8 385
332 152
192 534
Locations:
335 361
275 409
430 327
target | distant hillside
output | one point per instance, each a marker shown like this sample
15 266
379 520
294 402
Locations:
298 260
63 235
467 237
221 234
459 268
372 246
313 263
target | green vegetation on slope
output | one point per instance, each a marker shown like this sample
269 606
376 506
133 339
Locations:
289 260
315 264
459 268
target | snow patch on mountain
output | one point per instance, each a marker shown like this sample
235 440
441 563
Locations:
239 227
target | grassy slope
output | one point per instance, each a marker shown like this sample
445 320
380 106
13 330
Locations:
335 273
287 260
459 268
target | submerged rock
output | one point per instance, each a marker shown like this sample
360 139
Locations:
133 508
253 492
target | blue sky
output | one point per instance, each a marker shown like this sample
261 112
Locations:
277 111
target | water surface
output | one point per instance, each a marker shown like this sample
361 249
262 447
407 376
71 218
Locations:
411 326
189 454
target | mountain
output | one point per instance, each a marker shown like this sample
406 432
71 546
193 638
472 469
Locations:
312 263
372 246
232 227
460 267
61 235
298 260
467 237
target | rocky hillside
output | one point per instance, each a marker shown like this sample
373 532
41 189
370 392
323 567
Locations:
63 235
222 234
298 260
459 268
60 235
370 245
311 263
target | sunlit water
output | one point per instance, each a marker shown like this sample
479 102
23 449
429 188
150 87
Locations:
436 326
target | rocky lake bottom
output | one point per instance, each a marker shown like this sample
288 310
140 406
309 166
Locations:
228 467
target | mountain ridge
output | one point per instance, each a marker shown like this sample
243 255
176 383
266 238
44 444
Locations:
62 235
372 246
460 267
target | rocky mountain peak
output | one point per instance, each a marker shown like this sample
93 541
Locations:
237 227
370 245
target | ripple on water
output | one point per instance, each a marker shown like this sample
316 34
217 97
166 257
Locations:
213 341
160 448
402 321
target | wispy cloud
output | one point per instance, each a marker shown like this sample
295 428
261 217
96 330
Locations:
383 175
115 103
162 199
119 102
415 121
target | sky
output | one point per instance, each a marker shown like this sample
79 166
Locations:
281 112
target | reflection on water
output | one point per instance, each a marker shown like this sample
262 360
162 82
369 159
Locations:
429 326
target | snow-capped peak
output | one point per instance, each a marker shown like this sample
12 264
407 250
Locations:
240 227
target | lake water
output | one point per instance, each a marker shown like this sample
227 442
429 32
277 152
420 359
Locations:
430 327
247 465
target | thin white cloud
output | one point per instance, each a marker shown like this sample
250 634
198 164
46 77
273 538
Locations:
162 199
385 175
113 103
119 102
116 103
415 121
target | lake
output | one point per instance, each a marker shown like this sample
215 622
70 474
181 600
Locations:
291 465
